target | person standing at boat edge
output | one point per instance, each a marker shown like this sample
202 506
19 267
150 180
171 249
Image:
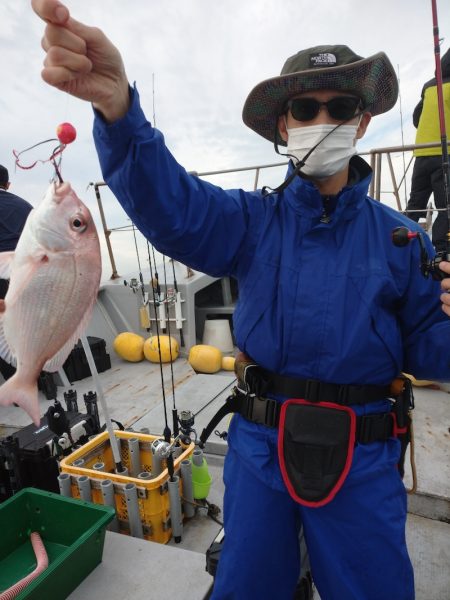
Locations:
14 212
327 305
428 174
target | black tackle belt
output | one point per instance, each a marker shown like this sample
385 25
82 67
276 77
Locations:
248 398
317 426
316 440
266 411
260 382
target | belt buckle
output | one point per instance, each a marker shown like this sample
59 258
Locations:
259 409
245 374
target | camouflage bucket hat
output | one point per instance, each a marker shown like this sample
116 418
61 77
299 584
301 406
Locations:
373 79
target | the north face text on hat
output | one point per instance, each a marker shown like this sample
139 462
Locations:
322 59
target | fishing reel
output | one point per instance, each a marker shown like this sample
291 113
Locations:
401 236
133 284
186 421
161 448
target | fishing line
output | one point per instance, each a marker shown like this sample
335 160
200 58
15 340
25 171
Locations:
155 281
401 129
139 266
216 396
442 125
153 89
167 432
165 300
155 303
167 310
66 134
175 284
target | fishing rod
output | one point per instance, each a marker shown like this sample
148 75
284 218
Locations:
401 236
403 140
442 124
157 288
163 449
177 302
164 315
164 308
176 430
156 301
143 310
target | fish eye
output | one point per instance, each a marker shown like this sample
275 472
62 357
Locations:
78 225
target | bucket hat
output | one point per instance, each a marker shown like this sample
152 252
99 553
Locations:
372 79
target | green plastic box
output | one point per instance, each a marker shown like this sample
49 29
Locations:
73 533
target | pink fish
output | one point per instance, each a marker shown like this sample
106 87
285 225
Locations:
54 279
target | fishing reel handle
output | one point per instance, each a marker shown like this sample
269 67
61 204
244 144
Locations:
401 236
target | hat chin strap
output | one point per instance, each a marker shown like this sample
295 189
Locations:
266 190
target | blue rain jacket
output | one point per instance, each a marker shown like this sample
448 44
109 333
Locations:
331 301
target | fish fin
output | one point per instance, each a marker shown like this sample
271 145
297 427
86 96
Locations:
23 393
5 264
56 362
5 351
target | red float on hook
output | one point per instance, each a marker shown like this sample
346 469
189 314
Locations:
66 133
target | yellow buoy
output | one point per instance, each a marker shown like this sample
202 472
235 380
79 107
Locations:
228 363
169 349
129 346
205 359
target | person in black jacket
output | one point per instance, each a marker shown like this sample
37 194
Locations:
428 174
14 212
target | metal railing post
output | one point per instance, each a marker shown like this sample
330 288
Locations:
394 183
106 231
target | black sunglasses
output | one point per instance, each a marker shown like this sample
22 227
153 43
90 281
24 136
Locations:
340 108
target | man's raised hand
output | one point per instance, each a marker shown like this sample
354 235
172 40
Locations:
82 61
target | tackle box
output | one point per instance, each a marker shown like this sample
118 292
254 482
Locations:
153 495
76 365
28 457
73 534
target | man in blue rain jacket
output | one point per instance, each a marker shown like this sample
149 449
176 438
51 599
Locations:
324 297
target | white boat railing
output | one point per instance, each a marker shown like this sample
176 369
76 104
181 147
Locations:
376 161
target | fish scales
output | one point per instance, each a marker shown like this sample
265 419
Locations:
42 302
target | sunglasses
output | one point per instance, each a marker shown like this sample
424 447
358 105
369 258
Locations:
341 108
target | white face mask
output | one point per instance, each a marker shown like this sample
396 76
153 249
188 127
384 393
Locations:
332 154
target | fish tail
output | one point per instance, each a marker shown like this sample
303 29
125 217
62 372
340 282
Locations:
22 393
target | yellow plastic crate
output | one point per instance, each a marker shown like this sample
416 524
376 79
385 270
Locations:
153 496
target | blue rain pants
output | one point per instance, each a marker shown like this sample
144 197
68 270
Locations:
356 543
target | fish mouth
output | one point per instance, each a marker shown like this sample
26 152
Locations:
60 191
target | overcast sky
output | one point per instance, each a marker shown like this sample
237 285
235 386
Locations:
204 57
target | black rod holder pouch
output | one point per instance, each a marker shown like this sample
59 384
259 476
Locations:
315 449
